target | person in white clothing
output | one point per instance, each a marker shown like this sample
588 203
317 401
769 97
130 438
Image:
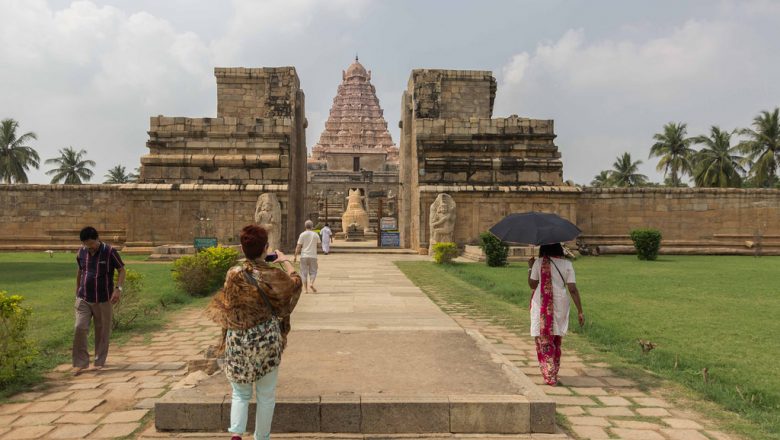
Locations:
549 277
327 236
307 247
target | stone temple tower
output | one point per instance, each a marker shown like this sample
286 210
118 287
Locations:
355 152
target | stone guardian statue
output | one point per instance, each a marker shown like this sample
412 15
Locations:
268 214
441 220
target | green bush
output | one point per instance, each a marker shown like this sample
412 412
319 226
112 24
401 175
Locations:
496 251
647 242
444 252
129 306
16 351
204 272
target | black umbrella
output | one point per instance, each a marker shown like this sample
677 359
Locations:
535 228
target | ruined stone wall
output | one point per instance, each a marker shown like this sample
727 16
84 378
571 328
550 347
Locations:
41 217
267 92
449 140
693 220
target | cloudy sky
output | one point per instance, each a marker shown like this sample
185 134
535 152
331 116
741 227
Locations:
88 74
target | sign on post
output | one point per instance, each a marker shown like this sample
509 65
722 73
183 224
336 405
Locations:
388 224
204 242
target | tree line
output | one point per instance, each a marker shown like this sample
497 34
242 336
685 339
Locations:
71 167
721 162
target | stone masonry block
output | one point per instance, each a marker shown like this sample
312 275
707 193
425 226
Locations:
404 414
340 414
542 415
510 414
295 415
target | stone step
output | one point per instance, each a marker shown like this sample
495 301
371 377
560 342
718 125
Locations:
367 414
152 434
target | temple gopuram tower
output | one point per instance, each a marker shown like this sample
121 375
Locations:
355 152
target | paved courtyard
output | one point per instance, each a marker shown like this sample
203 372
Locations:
117 401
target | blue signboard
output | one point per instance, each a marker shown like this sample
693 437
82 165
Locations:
390 239
205 242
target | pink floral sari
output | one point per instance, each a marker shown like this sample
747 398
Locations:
548 346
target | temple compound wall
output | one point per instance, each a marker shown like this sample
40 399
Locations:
202 176
691 220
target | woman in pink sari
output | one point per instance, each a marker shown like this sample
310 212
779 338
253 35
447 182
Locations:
549 277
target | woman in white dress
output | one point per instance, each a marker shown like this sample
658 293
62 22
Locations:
327 236
549 277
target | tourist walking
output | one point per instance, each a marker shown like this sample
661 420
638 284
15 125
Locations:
253 309
307 247
327 236
96 294
549 277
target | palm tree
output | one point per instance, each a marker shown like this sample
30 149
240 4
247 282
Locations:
118 175
762 149
16 157
716 164
625 172
602 179
674 150
72 169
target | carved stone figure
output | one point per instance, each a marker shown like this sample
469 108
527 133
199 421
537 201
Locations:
441 220
268 214
355 213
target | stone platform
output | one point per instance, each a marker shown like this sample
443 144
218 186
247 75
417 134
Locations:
371 354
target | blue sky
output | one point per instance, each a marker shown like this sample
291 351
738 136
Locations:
89 74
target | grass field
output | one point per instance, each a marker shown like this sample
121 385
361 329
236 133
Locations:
717 313
48 286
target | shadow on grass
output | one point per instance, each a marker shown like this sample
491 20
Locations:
22 272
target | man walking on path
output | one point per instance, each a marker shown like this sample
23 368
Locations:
307 247
327 236
95 295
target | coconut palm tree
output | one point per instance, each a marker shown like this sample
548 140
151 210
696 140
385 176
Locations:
717 164
602 179
118 175
762 149
625 172
674 150
72 167
16 157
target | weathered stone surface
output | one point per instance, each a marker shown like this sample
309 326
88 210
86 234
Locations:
115 430
542 415
490 414
404 414
296 415
125 416
340 414
28 432
72 431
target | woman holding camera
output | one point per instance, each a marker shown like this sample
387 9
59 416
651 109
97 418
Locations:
254 310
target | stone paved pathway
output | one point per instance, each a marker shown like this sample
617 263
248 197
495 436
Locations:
117 401
596 402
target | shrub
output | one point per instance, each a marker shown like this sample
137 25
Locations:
203 273
444 252
496 251
16 352
129 306
647 242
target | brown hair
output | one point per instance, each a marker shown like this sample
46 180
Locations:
253 241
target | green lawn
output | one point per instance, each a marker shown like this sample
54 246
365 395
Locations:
702 311
48 286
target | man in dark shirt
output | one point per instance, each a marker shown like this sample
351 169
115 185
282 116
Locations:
95 295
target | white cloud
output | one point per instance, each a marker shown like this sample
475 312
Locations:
610 95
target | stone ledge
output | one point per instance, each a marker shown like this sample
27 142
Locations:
501 188
369 414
